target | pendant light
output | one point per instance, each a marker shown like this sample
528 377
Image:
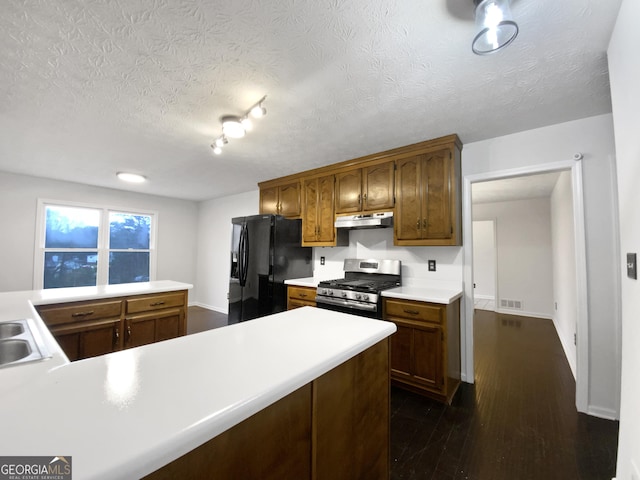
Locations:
494 25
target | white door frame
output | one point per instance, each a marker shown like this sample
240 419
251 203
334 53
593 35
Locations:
582 330
494 226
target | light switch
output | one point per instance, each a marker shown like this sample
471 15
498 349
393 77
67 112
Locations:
632 266
432 265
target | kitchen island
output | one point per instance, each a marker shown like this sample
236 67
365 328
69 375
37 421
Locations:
159 408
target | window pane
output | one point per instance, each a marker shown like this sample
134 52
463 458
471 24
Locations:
70 269
70 227
128 267
129 231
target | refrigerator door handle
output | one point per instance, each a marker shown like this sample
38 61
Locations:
244 255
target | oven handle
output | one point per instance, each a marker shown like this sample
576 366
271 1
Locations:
369 307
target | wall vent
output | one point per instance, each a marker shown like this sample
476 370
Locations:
513 304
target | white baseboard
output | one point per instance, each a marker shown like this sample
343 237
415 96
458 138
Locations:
522 313
600 412
484 297
209 307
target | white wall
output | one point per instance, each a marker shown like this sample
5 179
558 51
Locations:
214 246
485 259
177 225
593 137
624 71
523 240
378 243
565 313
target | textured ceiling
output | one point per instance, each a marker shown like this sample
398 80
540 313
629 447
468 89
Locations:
92 87
518 188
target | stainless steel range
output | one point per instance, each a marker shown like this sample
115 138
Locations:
359 291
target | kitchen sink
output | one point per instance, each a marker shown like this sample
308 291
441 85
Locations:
20 342
10 329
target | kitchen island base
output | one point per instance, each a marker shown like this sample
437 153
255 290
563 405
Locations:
335 427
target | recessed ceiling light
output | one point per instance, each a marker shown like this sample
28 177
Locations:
131 177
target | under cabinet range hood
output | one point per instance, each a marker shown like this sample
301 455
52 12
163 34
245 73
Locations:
368 220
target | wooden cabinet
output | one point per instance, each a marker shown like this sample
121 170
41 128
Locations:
91 328
85 329
428 206
153 318
425 350
318 216
365 189
300 297
281 200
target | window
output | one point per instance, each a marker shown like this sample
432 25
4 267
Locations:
82 245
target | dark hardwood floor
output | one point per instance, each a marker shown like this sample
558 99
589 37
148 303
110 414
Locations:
518 421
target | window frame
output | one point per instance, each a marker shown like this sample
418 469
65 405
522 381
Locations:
103 248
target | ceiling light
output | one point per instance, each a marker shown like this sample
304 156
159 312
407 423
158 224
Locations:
495 26
232 127
131 177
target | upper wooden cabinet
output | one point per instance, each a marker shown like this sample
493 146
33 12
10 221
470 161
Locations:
420 183
318 213
365 189
428 206
281 200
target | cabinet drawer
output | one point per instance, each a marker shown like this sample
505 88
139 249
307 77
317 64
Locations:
411 310
302 293
155 302
80 311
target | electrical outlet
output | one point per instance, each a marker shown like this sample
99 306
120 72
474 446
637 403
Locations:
432 265
321 260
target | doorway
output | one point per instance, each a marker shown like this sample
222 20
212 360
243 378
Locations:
485 262
575 169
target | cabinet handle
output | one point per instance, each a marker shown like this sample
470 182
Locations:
302 295
82 314
424 223
359 199
279 208
116 337
412 312
364 197
155 304
418 224
128 332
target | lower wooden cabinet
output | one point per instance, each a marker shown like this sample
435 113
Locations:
91 328
300 297
425 350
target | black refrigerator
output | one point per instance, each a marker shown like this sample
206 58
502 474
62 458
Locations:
265 251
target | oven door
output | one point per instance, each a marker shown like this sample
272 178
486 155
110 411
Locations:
370 310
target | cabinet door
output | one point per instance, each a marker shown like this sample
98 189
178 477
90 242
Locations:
437 198
269 201
153 327
310 211
408 221
88 339
378 186
427 356
289 198
326 212
400 345
348 190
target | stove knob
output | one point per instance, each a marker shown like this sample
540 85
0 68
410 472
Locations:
365 296
358 296
330 292
344 294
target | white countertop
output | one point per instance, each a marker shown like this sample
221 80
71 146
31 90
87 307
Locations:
432 294
126 414
303 282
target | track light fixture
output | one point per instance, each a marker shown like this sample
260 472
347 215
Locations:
234 126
